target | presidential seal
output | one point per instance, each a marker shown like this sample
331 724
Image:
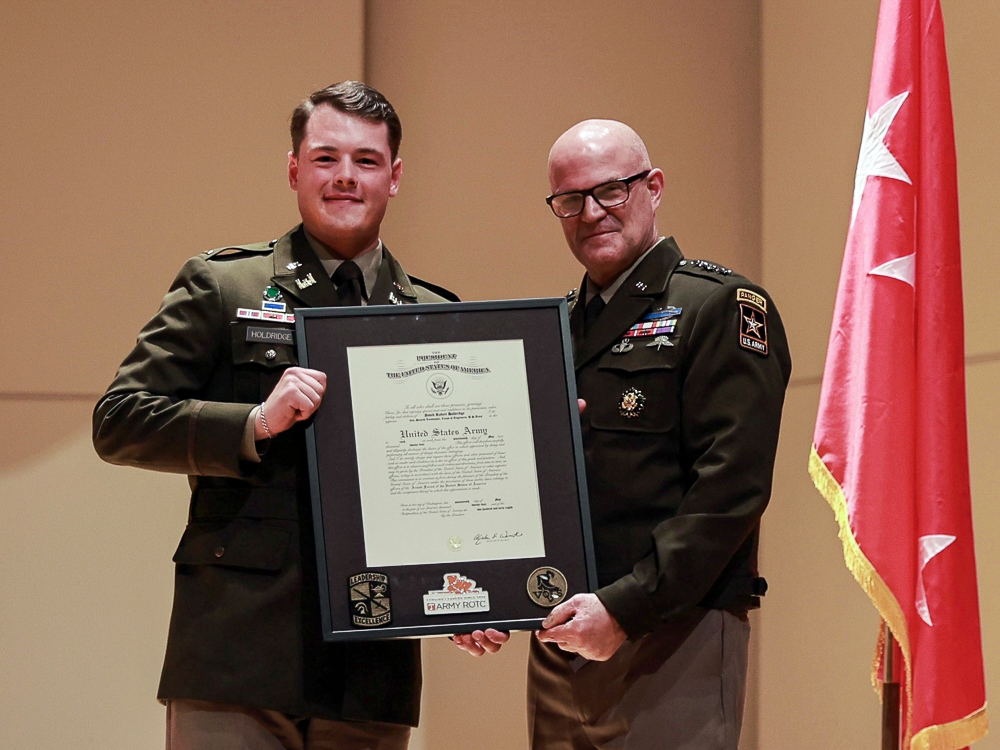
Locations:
369 600
439 385
546 587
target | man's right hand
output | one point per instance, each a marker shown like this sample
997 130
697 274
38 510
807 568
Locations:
480 642
295 398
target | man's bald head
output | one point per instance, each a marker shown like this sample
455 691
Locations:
593 138
606 240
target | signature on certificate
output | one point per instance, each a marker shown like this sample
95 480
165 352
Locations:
496 536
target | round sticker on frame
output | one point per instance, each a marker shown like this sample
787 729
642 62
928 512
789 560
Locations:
546 586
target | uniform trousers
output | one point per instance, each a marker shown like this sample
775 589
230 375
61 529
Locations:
681 687
203 725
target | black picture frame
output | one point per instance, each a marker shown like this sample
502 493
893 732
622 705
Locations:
323 336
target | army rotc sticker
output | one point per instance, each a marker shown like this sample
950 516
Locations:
632 402
546 587
369 600
753 321
457 595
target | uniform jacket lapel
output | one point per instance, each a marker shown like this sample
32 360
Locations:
392 285
293 249
635 296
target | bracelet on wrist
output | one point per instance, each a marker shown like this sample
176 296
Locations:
263 421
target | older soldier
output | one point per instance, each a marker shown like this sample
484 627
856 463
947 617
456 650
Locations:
212 390
683 366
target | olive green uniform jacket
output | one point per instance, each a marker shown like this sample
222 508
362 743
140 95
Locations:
679 438
245 627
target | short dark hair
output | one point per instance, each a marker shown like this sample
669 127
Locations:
354 98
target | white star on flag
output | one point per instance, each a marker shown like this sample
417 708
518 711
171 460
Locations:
930 546
875 159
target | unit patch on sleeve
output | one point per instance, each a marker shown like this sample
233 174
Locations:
753 329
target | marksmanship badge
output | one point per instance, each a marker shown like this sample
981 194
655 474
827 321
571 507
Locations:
370 606
632 402
546 587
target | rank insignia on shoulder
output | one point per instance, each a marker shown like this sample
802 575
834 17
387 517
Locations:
546 586
707 265
572 294
745 295
369 600
631 404
753 328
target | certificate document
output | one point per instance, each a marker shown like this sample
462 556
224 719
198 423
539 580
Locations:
446 455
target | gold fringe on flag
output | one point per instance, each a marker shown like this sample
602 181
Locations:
952 736
956 734
870 581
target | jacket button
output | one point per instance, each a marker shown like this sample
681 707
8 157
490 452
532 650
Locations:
270 354
220 551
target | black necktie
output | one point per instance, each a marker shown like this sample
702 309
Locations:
594 308
350 283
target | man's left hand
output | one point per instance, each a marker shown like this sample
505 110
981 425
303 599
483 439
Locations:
583 625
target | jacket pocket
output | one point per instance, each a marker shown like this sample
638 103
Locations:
636 391
258 362
237 543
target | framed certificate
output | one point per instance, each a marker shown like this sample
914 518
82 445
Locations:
445 467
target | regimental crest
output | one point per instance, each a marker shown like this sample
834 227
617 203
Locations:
546 586
369 600
632 402
753 321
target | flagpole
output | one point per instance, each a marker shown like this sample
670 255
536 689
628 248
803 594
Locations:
890 697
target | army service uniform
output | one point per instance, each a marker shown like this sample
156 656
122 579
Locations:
684 374
245 627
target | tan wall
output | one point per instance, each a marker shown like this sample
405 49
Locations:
818 633
135 139
134 136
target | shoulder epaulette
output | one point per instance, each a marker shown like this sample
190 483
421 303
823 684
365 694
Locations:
705 265
572 294
439 290
231 250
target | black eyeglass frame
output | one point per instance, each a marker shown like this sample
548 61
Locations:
626 181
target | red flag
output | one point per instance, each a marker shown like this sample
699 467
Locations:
890 450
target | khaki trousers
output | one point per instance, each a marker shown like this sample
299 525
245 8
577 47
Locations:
681 687
202 725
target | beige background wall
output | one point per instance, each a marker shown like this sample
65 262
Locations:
133 139
818 633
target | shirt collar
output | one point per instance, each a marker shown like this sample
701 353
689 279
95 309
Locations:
369 261
609 291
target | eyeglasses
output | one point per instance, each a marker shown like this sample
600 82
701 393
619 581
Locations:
607 195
